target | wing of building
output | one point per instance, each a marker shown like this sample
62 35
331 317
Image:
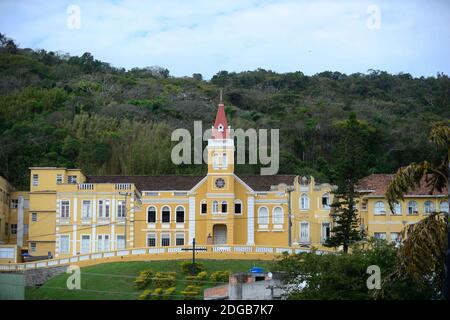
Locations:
67 213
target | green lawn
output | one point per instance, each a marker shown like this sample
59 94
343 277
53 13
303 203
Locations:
114 281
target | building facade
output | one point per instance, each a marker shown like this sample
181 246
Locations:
67 213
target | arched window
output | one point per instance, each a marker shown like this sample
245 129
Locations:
215 206
397 210
428 207
238 207
151 214
179 214
304 201
412 207
379 208
224 207
216 161
443 207
224 160
165 214
263 215
277 215
326 201
204 207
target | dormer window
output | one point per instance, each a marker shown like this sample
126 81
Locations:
220 128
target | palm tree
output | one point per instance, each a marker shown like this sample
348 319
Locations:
417 258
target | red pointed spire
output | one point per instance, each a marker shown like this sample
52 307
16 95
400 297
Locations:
220 129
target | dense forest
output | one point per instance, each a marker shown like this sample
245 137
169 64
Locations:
76 111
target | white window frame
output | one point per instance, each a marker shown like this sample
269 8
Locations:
180 236
304 233
156 213
151 235
221 207
7 253
170 214
443 206
278 218
239 202
304 201
412 206
323 227
380 235
215 207
86 210
59 179
82 242
326 206
397 209
203 202
104 208
224 160
72 179
176 214
103 242
65 209
379 208
121 242
165 236
121 209
35 180
14 203
215 160
263 220
428 207
33 246
63 250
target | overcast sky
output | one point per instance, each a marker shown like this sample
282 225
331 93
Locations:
205 36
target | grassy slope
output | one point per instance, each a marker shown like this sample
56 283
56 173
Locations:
112 281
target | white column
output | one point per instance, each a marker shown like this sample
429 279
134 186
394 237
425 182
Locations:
130 223
94 221
75 219
58 214
191 219
20 222
112 240
251 221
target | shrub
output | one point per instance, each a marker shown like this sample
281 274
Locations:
220 276
144 295
186 268
202 276
164 279
168 293
157 294
191 292
143 279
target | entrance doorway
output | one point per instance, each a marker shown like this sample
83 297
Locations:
220 234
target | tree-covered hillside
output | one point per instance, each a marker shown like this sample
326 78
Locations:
61 110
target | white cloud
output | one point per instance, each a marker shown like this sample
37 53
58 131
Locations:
208 36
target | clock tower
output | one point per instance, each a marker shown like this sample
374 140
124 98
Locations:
221 146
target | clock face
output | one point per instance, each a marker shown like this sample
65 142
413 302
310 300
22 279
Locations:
220 183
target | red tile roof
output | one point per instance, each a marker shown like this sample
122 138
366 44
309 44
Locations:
221 120
377 184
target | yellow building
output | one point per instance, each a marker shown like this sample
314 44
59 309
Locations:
68 213
377 218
